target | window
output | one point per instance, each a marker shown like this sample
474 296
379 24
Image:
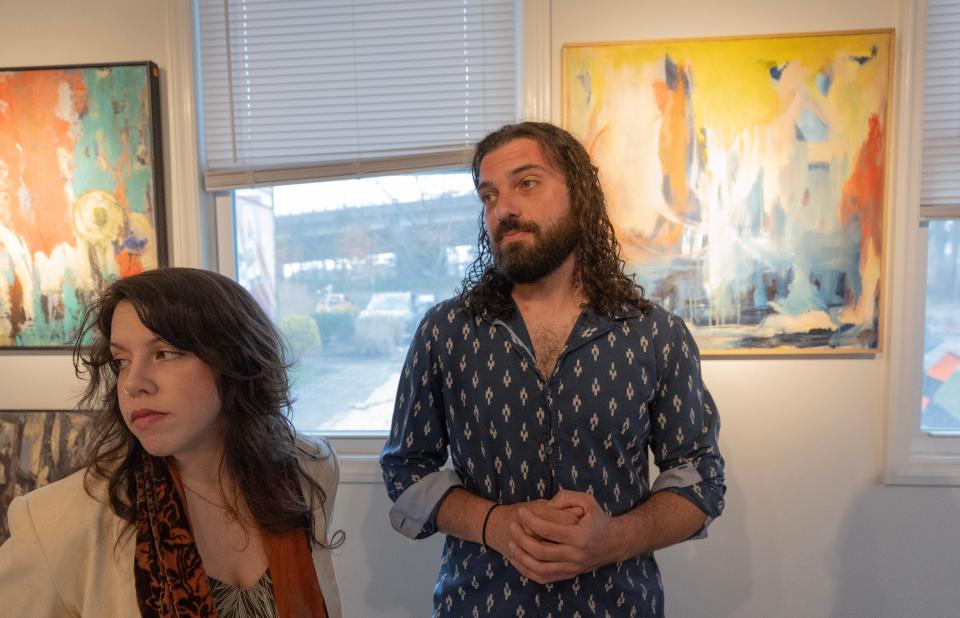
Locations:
336 137
347 268
298 90
923 445
940 200
940 402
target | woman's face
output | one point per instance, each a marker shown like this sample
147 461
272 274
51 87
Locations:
168 397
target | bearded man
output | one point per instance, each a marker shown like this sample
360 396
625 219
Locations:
548 380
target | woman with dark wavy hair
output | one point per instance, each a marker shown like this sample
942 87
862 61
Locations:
198 498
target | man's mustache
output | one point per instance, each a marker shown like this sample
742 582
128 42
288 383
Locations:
516 225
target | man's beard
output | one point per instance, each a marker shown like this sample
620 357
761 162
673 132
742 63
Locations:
523 264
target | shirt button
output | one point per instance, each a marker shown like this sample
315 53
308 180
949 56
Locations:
549 450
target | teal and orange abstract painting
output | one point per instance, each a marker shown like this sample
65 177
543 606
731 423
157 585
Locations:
80 193
745 180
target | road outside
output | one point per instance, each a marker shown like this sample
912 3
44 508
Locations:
346 391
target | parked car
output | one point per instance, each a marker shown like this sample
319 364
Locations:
334 301
385 323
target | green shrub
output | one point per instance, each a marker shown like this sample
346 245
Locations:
302 332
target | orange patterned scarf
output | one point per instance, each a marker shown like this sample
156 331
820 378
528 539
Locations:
168 572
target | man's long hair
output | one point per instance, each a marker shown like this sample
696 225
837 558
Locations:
599 269
214 318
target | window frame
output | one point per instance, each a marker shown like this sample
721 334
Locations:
912 457
205 237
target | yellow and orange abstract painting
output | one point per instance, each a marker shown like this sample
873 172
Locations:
745 179
80 192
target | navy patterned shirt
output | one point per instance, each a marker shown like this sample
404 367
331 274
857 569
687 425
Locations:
622 385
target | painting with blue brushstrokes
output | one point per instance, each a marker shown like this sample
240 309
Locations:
81 192
745 179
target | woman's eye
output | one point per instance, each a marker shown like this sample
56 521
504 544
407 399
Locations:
119 363
168 354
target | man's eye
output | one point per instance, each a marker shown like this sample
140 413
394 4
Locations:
528 183
486 198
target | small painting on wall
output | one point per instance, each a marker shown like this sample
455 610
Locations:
81 192
38 448
745 179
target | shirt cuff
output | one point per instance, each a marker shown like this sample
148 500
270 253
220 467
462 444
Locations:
683 476
414 513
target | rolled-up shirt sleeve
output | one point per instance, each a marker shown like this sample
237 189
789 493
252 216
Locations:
686 425
417 447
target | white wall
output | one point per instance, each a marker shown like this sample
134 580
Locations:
808 530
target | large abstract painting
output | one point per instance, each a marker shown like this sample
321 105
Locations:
745 179
81 192
37 448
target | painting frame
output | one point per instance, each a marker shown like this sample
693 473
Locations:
52 443
87 204
597 74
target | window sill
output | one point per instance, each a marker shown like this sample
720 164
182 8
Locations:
925 469
359 456
360 469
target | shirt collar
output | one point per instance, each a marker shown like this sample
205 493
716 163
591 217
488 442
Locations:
590 325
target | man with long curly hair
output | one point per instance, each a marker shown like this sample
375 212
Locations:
548 380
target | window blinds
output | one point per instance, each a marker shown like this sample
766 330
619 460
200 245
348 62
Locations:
298 90
941 106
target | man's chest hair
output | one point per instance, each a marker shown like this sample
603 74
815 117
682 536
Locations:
549 339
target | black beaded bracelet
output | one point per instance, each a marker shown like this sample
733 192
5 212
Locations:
483 535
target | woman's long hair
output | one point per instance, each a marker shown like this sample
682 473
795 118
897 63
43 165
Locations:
599 269
214 318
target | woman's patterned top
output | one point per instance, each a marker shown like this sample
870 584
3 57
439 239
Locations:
236 602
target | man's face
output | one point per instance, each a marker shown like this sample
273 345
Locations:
527 211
